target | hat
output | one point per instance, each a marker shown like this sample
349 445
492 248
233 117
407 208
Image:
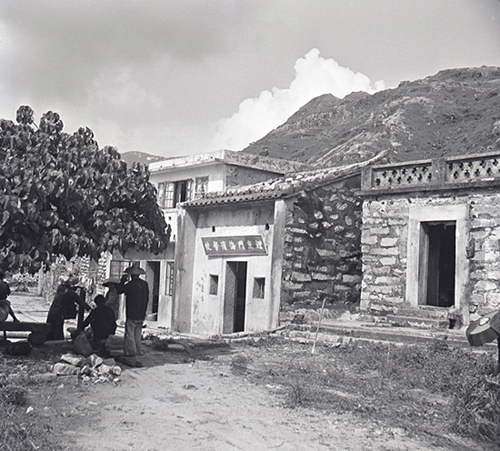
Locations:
71 282
135 270
110 281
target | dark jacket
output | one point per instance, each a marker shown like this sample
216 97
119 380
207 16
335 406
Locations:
136 298
102 321
69 300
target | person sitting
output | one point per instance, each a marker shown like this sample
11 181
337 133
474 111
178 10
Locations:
102 322
5 307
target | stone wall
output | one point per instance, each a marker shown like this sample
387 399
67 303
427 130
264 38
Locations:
485 264
322 248
384 244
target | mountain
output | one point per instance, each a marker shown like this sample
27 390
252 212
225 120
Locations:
455 112
140 157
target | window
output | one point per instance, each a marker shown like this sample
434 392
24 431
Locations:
169 282
161 194
171 193
259 285
214 284
201 186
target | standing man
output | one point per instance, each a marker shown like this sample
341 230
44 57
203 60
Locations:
64 307
112 298
136 301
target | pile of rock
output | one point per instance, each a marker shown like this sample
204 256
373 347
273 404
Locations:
90 369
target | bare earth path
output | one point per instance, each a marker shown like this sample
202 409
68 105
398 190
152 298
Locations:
201 406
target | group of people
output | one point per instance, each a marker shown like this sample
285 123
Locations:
101 319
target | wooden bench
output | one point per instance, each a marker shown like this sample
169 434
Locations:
38 331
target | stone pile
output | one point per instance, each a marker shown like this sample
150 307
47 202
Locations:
90 369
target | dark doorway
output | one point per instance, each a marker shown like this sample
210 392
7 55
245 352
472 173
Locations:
441 264
234 297
153 279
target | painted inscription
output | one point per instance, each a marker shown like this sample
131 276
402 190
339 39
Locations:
234 245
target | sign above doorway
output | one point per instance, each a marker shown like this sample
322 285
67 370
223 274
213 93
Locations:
234 245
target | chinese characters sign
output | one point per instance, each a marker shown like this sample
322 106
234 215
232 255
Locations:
234 245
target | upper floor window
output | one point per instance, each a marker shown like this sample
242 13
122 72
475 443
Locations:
171 193
201 186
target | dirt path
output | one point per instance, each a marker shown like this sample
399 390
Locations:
200 406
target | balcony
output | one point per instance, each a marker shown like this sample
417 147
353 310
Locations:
433 175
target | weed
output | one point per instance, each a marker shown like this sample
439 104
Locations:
432 389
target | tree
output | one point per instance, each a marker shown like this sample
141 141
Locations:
62 195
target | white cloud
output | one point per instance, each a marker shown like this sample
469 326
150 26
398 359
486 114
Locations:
314 76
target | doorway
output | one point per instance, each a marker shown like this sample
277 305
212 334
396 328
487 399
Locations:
153 279
235 297
441 257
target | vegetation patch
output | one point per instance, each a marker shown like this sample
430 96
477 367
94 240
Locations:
21 428
434 389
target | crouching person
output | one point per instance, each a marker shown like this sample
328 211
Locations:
102 322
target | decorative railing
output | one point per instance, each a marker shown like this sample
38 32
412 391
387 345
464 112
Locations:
465 169
447 172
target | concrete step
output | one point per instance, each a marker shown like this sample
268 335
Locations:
419 322
344 331
425 311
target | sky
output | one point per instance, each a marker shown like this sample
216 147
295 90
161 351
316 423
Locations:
181 77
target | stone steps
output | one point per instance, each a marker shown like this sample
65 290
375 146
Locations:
345 331
425 311
418 322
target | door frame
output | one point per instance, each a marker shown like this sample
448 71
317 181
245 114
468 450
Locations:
416 273
229 298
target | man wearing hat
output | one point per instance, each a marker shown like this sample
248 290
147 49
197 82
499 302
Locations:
136 302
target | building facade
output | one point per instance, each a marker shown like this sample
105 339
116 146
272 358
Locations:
183 179
250 257
430 237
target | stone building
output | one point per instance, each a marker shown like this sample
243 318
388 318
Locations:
249 257
431 238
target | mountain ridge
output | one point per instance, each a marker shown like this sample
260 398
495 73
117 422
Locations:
454 112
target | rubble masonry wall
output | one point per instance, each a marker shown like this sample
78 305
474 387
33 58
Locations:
322 249
384 243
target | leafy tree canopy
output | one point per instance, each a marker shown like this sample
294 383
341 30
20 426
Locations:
62 195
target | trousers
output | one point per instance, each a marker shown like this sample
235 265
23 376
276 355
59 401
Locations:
133 335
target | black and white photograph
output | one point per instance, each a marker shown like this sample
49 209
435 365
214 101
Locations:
249 225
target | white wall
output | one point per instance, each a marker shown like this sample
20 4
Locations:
207 310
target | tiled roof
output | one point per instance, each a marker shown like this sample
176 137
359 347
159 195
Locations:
280 187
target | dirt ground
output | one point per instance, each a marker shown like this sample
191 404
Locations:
219 400
175 403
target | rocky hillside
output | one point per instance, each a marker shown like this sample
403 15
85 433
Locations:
455 112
